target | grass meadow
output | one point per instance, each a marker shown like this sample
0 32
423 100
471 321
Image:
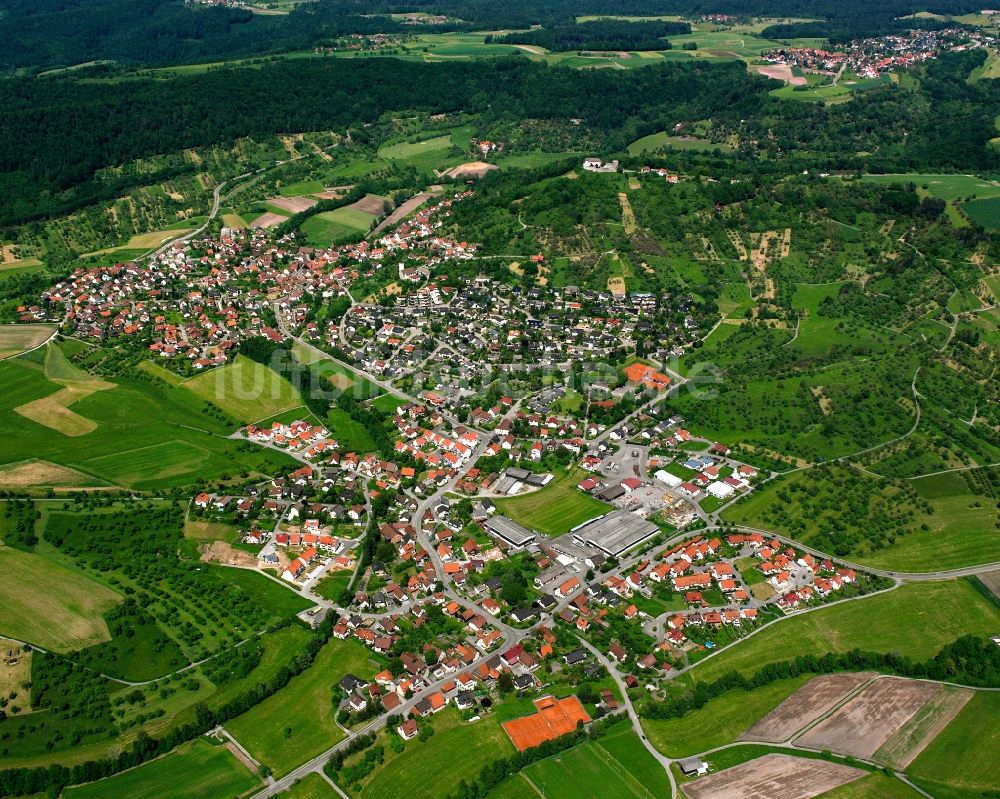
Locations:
962 758
49 605
145 436
195 769
297 722
245 389
556 508
721 721
457 751
916 619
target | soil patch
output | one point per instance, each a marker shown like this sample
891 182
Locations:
773 777
865 723
803 707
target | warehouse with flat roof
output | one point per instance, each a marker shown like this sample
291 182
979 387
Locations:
615 532
510 531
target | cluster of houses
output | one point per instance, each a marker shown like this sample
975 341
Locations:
312 441
196 301
869 58
705 474
482 328
468 663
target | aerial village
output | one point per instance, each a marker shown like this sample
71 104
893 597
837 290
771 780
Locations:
428 552
870 58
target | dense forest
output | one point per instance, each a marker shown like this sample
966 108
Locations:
603 34
55 134
52 33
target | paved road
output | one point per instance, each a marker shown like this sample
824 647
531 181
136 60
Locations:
633 716
317 763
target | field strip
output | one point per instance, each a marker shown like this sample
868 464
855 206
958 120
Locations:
913 737
534 787
619 768
843 701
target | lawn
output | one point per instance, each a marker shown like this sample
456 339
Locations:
963 756
331 227
196 769
333 584
245 389
432 769
297 723
149 435
556 508
592 770
388 403
916 619
49 605
721 721
349 434
311 786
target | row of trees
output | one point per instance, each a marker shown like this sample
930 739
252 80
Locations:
602 34
969 660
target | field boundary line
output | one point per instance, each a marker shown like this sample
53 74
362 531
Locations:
619 768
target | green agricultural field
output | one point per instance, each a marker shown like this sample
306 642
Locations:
193 770
945 187
625 747
405 150
15 339
721 721
916 619
297 723
146 435
963 756
157 464
556 508
514 787
332 227
246 389
874 786
457 749
984 212
50 605
311 786
664 140
591 770
531 160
